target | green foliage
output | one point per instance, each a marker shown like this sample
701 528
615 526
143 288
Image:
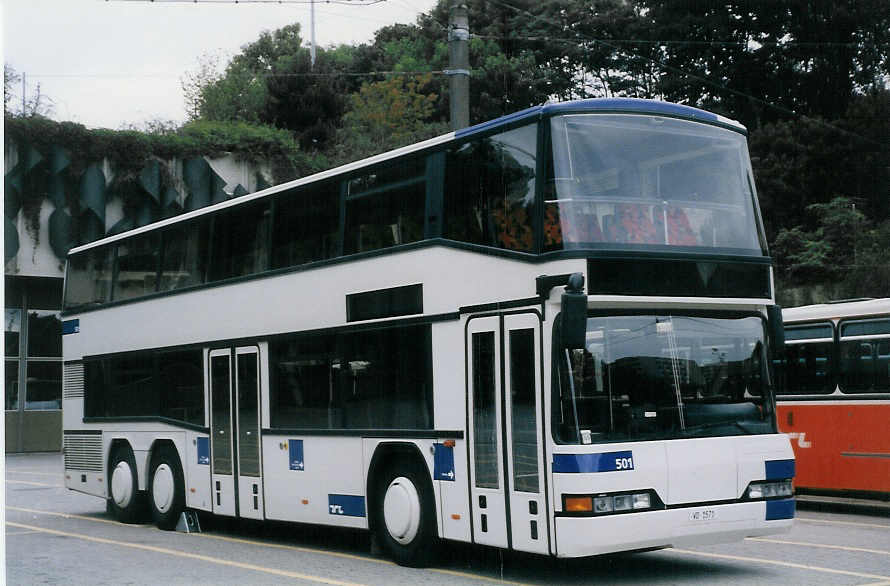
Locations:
385 115
128 151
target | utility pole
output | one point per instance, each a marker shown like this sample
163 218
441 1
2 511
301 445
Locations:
459 64
312 32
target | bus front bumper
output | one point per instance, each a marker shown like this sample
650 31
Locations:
676 527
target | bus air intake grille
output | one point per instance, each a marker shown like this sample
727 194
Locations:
72 386
83 452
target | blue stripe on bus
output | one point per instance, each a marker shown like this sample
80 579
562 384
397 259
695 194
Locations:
346 505
779 469
783 509
635 105
70 326
582 463
631 105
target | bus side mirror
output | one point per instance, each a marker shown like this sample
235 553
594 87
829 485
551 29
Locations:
776 329
573 314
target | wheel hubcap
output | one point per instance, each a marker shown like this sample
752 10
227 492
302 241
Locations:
162 488
122 485
401 510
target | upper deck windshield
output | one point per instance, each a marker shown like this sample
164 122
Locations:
649 182
648 377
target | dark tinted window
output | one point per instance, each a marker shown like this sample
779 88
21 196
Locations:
385 207
809 332
240 241
180 384
865 328
12 331
524 418
307 224
376 379
44 334
485 444
865 361
146 384
490 190
89 277
11 390
137 267
44 385
384 303
185 255
808 368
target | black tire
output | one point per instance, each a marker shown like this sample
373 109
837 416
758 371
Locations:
418 548
125 501
166 498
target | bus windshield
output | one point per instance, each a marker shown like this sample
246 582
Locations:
644 182
646 377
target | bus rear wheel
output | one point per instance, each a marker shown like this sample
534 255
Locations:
125 500
166 488
405 515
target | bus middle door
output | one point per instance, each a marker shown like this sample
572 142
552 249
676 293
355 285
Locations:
505 432
235 430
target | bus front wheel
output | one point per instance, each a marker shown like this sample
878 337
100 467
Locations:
125 500
166 488
405 515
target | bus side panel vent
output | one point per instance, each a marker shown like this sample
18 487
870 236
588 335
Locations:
83 452
72 377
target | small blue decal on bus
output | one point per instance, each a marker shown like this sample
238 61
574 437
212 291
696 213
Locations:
204 450
346 505
70 326
295 454
779 469
783 509
581 463
443 464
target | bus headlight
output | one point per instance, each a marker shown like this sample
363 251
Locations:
606 504
769 490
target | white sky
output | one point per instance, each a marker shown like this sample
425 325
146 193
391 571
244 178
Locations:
107 63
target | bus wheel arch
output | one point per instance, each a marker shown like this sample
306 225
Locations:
125 500
402 508
166 485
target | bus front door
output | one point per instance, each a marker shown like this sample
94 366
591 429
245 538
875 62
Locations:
505 432
236 473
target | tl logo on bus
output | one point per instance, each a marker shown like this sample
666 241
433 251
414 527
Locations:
801 439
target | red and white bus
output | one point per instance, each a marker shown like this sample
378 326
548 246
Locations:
835 398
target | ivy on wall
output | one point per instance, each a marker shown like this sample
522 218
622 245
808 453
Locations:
63 162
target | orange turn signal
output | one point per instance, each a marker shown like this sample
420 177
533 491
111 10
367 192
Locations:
448 443
578 504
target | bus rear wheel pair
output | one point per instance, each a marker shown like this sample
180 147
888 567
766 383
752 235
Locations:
165 498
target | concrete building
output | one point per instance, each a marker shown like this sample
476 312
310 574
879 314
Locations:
49 207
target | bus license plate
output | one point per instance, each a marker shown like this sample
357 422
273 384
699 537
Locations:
703 515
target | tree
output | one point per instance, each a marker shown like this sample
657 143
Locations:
271 82
387 114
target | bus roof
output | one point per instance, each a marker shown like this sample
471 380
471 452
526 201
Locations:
835 310
602 105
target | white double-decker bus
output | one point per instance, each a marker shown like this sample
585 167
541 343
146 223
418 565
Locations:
550 332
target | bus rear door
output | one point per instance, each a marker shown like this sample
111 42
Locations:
236 473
